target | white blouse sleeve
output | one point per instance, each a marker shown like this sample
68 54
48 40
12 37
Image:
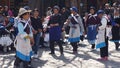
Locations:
104 23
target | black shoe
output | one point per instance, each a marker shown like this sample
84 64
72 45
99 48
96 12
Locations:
116 48
61 54
93 46
52 53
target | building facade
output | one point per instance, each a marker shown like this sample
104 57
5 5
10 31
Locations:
82 5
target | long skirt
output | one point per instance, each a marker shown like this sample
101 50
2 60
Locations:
91 34
115 34
55 33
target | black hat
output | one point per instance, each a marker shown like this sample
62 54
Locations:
56 7
92 7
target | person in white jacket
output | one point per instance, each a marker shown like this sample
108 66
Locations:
102 40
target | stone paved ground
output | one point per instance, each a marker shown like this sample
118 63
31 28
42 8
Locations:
84 59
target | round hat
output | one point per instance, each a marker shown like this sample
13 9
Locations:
22 11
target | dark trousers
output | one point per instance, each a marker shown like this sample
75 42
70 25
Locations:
41 41
36 45
74 45
116 45
104 50
52 43
18 62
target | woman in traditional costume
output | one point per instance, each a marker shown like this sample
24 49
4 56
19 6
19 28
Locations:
24 39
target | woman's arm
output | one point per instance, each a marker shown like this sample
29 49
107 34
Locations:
21 31
81 24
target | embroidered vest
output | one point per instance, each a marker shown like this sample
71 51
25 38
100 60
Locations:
27 28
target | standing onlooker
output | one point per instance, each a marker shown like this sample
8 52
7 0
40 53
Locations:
49 11
24 39
2 19
64 13
2 9
91 24
85 21
102 39
76 26
46 32
8 11
55 24
107 9
116 29
37 26
113 8
109 12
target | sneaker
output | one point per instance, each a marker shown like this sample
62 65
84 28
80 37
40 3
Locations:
30 66
35 56
32 56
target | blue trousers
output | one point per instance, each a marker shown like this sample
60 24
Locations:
37 40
